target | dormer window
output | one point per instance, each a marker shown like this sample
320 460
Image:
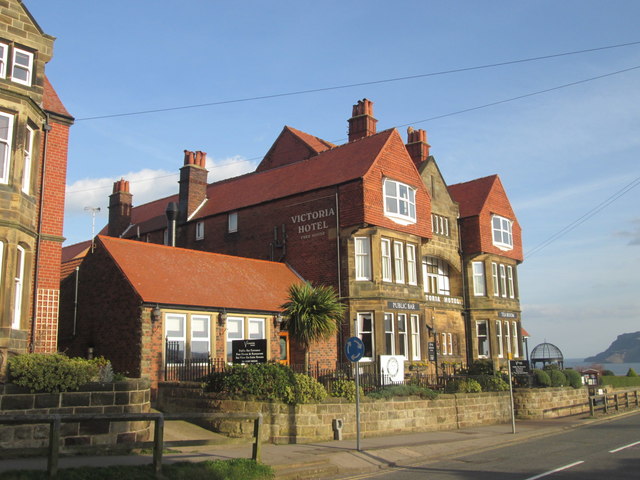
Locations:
22 66
502 236
399 202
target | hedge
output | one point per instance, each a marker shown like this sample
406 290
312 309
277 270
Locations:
615 381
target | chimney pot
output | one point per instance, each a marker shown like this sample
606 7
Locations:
417 145
362 124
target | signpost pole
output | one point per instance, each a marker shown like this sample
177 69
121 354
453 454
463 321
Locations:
354 348
513 412
357 407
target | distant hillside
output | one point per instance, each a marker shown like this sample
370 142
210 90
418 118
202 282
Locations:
624 349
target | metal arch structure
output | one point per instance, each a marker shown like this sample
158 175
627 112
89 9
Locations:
547 354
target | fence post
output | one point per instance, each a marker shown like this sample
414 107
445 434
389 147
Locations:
592 405
257 448
616 400
54 446
158 445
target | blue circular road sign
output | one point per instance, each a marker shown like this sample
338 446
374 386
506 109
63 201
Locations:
354 348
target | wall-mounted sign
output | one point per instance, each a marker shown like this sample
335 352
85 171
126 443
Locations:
313 223
249 351
403 306
507 314
431 347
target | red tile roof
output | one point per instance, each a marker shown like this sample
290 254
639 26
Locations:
51 102
472 195
177 276
331 167
77 249
316 143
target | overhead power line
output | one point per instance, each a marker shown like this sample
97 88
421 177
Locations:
560 233
450 114
359 84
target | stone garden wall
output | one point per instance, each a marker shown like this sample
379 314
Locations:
309 423
130 396
539 403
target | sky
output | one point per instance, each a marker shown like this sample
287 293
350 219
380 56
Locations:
562 132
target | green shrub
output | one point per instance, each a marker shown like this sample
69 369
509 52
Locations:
492 383
558 379
463 385
573 378
631 373
541 378
51 372
305 389
403 391
608 373
345 389
265 381
481 367
620 381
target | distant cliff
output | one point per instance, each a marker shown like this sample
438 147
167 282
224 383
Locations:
624 349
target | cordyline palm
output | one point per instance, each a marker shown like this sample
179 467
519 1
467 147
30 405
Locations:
312 313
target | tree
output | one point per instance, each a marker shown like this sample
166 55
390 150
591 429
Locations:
313 313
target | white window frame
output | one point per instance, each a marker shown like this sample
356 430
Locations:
27 68
450 338
240 335
503 280
1 260
403 335
398 261
367 336
516 345
502 234
387 266
499 338
6 138
479 283
399 201
206 319
19 288
28 153
494 277
436 273
507 335
412 272
511 284
4 55
182 319
415 337
252 322
232 222
200 230
362 249
483 339
389 334
443 340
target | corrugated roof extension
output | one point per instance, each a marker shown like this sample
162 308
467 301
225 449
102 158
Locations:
177 276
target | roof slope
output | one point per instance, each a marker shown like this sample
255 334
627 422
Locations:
51 101
291 146
178 276
472 195
331 167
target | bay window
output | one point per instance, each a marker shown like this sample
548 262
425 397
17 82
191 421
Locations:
399 201
502 235
6 136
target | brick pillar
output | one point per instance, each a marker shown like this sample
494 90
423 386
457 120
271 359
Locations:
193 184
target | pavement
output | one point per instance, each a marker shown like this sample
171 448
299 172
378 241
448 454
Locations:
330 459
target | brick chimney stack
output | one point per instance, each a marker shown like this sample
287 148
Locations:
362 124
120 202
417 146
193 184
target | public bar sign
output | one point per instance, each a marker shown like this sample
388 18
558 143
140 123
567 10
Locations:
507 314
403 306
249 351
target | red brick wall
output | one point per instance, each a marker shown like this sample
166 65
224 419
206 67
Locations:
49 258
108 315
286 149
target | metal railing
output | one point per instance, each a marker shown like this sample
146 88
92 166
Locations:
55 420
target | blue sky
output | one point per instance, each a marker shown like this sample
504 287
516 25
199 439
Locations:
560 154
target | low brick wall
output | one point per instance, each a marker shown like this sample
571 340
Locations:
130 396
313 422
539 403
